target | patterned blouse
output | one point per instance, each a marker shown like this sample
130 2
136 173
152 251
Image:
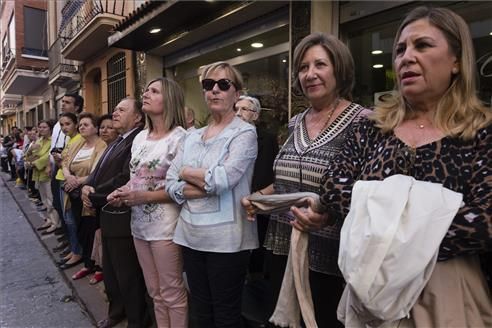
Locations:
462 166
299 166
148 168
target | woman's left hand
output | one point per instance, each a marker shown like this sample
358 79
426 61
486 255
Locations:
307 219
129 197
71 183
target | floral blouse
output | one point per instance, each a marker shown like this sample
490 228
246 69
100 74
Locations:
148 168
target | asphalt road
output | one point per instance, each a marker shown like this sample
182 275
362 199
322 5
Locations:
33 293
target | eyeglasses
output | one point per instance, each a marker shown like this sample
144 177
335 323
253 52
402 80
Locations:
245 109
224 84
117 212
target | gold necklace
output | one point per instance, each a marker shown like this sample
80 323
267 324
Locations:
328 118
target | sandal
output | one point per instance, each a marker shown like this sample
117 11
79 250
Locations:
96 278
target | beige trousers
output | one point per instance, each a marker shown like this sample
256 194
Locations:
162 266
47 199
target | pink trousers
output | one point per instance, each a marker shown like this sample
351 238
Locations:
162 266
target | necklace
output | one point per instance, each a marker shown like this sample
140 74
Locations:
421 126
328 118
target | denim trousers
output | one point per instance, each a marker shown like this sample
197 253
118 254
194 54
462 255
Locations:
71 224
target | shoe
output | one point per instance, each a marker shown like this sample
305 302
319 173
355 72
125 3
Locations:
96 278
60 247
65 252
41 209
70 265
82 273
49 231
59 231
44 227
61 262
107 323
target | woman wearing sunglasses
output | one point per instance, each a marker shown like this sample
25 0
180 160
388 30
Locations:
209 176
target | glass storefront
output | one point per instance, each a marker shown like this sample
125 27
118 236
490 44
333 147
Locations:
371 45
265 70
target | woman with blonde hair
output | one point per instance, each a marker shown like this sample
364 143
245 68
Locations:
154 214
210 174
434 130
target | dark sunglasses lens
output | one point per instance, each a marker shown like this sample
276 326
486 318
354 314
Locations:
224 84
208 84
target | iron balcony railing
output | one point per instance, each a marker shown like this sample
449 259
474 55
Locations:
76 14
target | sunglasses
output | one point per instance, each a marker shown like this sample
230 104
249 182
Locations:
224 84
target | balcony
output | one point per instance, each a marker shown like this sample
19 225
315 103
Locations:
20 79
9 104
63 72
86 26
7 60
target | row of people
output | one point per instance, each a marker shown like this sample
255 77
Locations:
170 201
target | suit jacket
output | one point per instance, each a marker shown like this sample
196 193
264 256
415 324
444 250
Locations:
267 151
106 177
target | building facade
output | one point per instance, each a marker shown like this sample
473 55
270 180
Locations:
107 50
177 39
24 91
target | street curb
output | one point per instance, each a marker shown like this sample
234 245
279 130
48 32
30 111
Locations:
84 294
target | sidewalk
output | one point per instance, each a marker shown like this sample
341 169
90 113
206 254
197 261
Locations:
90 297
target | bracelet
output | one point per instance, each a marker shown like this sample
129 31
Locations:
260 192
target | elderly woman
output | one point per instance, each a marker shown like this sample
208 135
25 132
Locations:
81 159
209 175
434 129
324 72
106 131
154 214
108 135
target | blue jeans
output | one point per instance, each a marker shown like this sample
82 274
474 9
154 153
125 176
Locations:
71 224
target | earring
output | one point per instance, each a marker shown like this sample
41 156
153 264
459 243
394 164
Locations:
454 70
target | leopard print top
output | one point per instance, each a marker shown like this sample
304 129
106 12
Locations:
462 166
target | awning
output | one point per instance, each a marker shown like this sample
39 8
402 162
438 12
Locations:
184 22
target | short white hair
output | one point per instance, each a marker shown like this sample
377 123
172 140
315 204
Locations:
255 102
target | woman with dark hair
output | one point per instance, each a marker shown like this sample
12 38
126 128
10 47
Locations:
433 129
324 73
154 214
106 131
81 160
69 127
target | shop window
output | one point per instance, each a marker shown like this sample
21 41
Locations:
35 32
116 80
371 42
265 70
